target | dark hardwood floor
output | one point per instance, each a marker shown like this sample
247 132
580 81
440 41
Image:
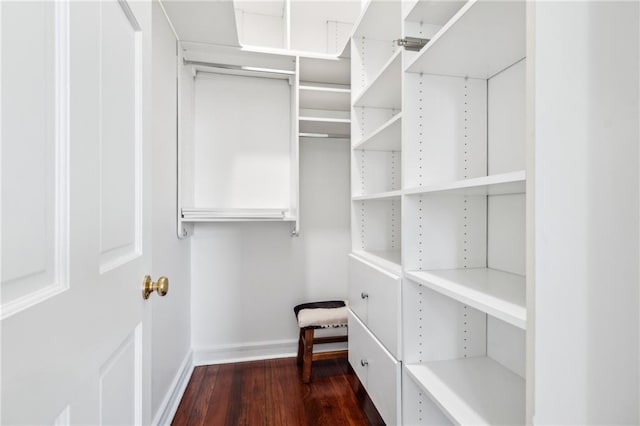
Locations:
270 392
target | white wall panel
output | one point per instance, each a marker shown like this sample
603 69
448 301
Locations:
239 122
171 315
445 124
506 120
506 233
586 212
322 26
247 277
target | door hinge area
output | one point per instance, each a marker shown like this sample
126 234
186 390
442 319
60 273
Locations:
412 43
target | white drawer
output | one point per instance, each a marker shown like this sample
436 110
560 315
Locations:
375 297
377 369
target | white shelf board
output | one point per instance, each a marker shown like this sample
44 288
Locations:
483 38
378 196
322 97
473 391
385 138
322 136
434 12
505 183
384 91
388 259
325 125
497 293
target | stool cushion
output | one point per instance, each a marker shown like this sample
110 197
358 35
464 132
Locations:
322 314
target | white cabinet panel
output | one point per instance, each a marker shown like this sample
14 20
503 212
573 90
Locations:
383 381
375 296
357 348
377 369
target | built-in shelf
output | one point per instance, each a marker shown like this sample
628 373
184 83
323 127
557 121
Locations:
322 136
387 137
505 183
195 215
473 391
497 293
378 196
482 39
325 125
384 91
324 96
436 12
386 259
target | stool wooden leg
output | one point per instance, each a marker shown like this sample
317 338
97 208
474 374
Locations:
300 347
308 355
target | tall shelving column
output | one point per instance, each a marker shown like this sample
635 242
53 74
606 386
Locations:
375 283
464 304
376 70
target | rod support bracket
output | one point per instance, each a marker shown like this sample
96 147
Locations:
413 44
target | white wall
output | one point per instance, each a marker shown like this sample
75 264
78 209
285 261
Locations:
586 212
247 277
322 26
170 314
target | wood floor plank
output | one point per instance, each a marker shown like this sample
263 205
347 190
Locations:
189 397
271 393
219 401
284 388
202 400
252 380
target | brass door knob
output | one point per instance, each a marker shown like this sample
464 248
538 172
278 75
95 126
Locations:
148 286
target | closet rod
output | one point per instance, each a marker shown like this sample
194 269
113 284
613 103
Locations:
237 67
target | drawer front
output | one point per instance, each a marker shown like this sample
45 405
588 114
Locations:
382 305
358 288
381 370
358 347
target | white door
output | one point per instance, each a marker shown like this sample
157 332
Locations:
75 222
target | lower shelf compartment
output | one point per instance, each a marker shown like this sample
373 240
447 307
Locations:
476 391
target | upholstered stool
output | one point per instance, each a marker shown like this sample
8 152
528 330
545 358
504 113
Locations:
312 316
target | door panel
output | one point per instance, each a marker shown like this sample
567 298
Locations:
78 355
120 203
120 384
34 184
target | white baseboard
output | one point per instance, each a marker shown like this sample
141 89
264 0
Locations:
222 354
170 403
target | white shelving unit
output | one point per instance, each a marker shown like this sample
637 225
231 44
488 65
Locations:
376 170
472 43
384 90
379 196
324 96
330 126
505 183
217 181
324 93
384 138
472 391
463 204
494 292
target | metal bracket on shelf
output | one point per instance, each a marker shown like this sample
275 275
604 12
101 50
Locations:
413 44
